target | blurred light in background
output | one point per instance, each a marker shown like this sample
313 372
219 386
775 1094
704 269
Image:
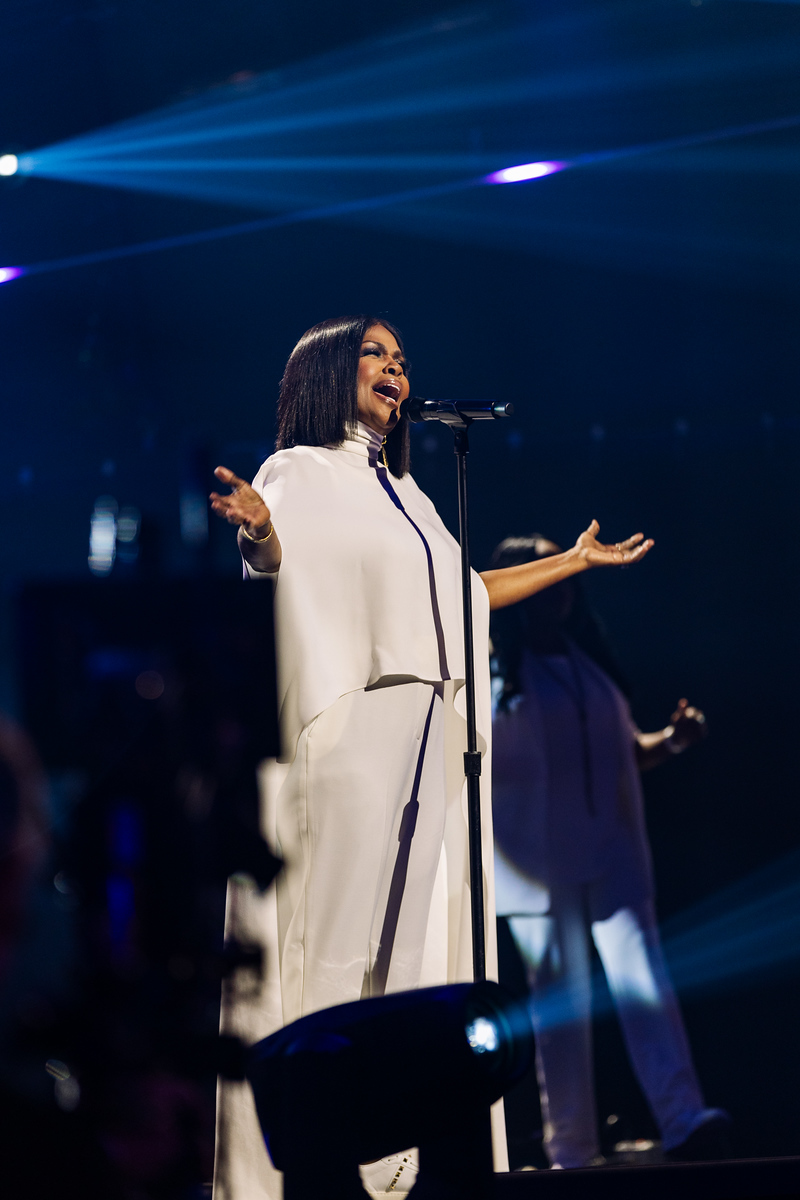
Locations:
8 164
327 130
126 846
129 524
103 536
293 136
194 519
149 685
66 1088
9 273
527 171
196 471
325 140
409 208
745 933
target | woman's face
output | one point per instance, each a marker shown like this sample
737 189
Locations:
382 383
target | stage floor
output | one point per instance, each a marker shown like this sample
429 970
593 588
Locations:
738 1179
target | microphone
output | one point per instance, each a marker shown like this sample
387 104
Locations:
455 412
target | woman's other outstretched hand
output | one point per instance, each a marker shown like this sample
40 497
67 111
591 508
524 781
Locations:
244 506
597 554
258 541
509 585
688 726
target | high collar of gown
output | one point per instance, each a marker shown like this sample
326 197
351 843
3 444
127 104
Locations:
363 442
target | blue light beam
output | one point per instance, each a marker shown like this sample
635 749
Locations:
525 172
475 68
747 934
325 212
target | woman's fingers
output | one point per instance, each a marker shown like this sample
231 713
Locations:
223 507
598 554
619 554
221 504
244 506
622 553
225 475
639 551
690 713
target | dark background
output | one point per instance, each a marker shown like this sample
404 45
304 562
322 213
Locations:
642 317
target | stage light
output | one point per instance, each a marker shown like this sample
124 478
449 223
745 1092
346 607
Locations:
750 929
8 164
103 536
128 525
67 1089
482 1036
435 219
301 147
309 138
519 174
361 1081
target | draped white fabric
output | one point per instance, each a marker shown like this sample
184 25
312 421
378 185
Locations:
368 596
352 597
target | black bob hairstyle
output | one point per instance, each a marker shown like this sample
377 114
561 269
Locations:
318 404
583 625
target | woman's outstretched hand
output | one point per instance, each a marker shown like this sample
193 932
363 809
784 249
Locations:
688 726
258 541
244 506
509 585
597 554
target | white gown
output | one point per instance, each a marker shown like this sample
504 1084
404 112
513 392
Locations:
367 804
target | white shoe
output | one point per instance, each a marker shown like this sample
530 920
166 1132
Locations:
396 1174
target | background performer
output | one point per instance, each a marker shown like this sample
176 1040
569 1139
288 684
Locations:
573 866
366 805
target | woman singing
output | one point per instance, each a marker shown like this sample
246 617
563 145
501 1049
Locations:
366 806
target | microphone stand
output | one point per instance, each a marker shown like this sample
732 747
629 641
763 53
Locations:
459 415
472 758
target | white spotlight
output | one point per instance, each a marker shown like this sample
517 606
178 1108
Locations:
103 536
8 164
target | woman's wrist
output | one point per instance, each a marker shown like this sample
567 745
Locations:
577 560
671 742
258 533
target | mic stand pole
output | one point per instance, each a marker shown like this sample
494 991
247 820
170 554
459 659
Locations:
472 758
459 415
448 413
472 767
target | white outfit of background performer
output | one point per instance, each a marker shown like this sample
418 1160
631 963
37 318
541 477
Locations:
573 866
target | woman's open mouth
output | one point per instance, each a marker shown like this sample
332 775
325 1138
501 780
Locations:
389 390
